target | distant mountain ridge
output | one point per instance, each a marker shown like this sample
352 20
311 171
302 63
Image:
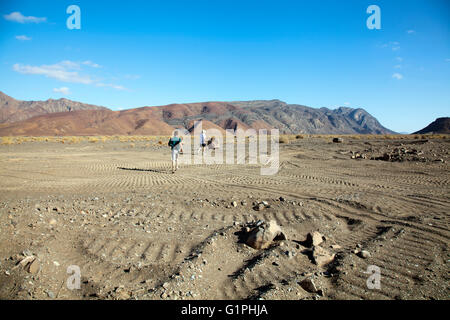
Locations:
12 110
440 125
51 117
293 118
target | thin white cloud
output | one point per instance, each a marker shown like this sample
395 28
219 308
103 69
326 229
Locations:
114 86
397 76
91 64
20 18
394 45
447 60
398 66
66 71
63 90
23 38
59 71
347 103
411 31
69 64
132 76
400 59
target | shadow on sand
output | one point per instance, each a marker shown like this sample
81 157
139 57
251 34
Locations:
147 170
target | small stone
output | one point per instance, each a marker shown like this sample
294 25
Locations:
364 254
50 294
321 256
34 267
314 239
234 204
262 236
259 207
24 262
308 285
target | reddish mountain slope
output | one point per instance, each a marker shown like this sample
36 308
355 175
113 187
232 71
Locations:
12 110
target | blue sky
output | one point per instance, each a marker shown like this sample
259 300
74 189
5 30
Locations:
316 53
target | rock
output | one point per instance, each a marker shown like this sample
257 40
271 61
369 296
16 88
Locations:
314 239
335 246
321 256
261 237
34 267
338 140
25 261
259 207
122 294
52 222
50 294
308 285
282 199
234 204
364 254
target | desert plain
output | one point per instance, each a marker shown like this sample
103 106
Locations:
113 209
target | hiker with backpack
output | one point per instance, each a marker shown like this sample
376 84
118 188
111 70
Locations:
175 144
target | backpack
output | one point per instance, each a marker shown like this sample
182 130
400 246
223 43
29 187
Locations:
172 143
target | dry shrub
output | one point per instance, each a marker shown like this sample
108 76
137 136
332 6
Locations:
7 140
284 139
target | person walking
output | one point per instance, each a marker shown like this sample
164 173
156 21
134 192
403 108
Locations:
202 142
175 144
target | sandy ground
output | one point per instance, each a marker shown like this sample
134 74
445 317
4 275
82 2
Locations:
137 231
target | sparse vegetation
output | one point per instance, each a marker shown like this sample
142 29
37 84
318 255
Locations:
7 140
284 139
159 140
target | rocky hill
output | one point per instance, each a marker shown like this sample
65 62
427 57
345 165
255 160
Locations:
12 110
440 125
52 117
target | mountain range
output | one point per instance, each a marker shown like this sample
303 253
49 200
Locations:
66 117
